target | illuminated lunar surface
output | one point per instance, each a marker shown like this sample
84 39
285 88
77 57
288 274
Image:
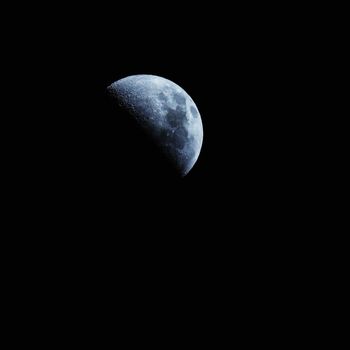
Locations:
166 113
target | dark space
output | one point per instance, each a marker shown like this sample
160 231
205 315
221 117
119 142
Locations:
101 204
82 156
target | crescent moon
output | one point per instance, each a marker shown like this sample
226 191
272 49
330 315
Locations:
165 112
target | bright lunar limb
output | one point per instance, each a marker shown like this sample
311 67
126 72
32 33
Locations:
166 112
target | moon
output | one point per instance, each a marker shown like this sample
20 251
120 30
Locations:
166 113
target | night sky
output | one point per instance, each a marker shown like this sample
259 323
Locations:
240 67
97 223
86 171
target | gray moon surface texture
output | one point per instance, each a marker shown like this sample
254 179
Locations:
166 113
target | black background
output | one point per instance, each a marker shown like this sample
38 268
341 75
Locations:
79 160
246 68
103 206
99 231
